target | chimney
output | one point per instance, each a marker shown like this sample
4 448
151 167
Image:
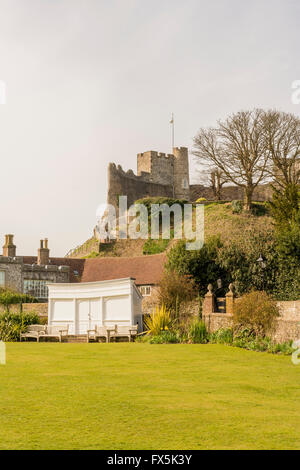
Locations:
43 253
9 249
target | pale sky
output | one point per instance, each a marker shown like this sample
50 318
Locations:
94 81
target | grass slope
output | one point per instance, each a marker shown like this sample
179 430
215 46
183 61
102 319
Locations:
141 396
218 220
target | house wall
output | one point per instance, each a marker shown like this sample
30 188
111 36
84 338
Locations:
13 272
16 272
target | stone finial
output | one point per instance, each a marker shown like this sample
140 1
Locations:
208 306
230 299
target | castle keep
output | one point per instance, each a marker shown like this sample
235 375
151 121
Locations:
158 174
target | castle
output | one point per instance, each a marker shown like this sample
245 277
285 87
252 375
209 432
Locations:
167 175
158 174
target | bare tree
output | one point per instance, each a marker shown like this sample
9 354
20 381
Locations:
237 148
282 141
217 180
214 179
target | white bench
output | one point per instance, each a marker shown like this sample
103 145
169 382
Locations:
125 332
99 332
56 332
112 332
34 332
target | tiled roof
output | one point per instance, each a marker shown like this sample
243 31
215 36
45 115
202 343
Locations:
144 269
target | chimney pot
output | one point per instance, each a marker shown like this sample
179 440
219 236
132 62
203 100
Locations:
43 253
9 249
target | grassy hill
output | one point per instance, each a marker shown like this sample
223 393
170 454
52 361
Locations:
219 219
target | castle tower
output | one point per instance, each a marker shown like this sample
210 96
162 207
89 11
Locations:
181 173
159 166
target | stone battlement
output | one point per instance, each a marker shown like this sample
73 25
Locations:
154 154
118 170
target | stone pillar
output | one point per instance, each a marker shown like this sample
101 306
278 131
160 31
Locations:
230 300
209 302
43 253
9 249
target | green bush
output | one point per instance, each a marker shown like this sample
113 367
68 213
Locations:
165 337
255 311
202 265
285 204
237 207
12 324
259 209
198 333
222 336
282 348
152 247
246 339
148 201
10 297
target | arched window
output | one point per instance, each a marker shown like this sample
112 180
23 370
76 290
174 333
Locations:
185 183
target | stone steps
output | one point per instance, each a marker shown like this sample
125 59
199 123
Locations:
75 339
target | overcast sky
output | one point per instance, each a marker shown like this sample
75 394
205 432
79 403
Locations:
94 81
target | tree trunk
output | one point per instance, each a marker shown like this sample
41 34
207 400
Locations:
248 198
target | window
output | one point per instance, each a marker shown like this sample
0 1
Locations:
185 183
145 290
2 278
36 288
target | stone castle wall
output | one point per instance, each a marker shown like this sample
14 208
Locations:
121 183
158 174
261 193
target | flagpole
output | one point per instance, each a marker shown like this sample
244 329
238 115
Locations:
172 123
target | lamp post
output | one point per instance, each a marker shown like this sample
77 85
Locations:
262 264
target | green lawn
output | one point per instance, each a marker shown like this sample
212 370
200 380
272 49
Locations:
141 396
